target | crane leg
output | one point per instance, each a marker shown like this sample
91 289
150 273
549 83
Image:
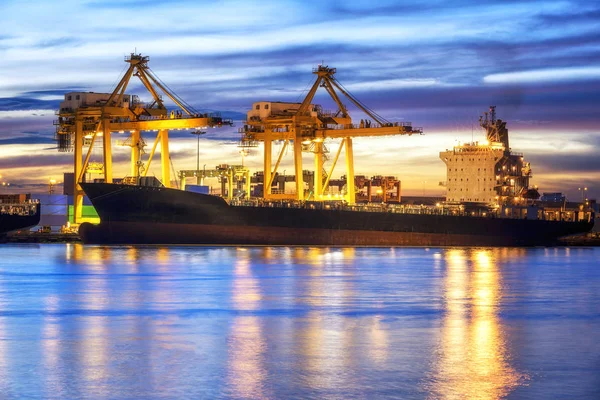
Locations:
351 196
106 142
267 165
135 154
298 167
230 185
78 153
164 157
318 170
248 185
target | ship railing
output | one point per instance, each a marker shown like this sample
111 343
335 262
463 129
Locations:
267 203
367 207
442 210
22 209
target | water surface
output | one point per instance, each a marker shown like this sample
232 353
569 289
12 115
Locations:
200 322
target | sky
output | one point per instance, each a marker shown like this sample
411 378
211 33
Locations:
438 64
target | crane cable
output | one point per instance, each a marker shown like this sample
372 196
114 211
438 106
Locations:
178 98
304 90
186 104
119 77
174 173
370 110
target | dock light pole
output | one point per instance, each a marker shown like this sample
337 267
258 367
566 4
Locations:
51 184
583 190
198 133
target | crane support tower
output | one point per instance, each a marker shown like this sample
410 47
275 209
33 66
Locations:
305 126
85 117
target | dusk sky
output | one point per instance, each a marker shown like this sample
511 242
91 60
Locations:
438 64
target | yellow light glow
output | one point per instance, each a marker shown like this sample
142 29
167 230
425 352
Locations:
473 362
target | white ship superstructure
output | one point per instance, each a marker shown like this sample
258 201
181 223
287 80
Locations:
487 171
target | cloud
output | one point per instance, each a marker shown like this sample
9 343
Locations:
438 64
36 160
27 103
581 14
51 92
569 163
28 139
57 42
545 75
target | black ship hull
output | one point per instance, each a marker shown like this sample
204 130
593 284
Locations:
151 215
15 222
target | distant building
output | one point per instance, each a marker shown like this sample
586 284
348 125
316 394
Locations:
68 183
553 197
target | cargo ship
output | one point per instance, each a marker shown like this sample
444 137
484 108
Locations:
489 203
143 211
17 212
134 214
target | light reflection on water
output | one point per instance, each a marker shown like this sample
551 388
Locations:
474 361
246 344
201 322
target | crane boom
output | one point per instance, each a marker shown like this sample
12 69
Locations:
92 115
308 125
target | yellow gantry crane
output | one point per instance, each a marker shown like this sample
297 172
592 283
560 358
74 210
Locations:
306 126
85 116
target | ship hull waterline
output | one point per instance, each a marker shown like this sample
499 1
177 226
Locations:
141 215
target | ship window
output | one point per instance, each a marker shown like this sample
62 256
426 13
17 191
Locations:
258 106
266 106
69 98
77 97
